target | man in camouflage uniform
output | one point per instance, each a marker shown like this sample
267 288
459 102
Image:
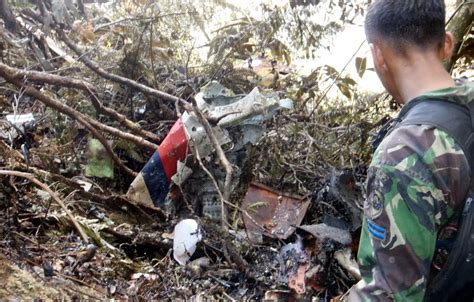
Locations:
419 176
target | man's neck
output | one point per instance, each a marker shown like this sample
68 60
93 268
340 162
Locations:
419 76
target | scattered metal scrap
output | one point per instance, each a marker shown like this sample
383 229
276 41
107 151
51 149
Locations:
325 232
304 264
294 262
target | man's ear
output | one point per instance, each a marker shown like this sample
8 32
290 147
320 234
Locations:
377 55
448 46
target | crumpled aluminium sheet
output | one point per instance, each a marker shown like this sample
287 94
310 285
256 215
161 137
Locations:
239 125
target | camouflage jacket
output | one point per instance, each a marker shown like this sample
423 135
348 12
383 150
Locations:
417 180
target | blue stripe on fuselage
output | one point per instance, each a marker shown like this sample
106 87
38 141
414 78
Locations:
156 180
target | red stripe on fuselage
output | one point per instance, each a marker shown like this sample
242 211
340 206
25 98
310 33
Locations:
173 148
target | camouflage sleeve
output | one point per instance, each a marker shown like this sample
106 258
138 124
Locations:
419 176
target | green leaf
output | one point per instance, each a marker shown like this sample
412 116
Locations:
331 72
349 81
361 65
99 163
344 88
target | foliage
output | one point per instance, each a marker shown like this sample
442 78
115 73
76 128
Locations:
177 47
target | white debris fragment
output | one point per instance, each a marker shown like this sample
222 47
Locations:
323 231
186 236
86 186
344 257
183 172
20 119
286 103
43 195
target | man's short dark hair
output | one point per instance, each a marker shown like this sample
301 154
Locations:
406 23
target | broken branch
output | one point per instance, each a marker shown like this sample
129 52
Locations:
44 187
119 79
224 162
75 115
52 79
458 24
343 257
114 201
7 15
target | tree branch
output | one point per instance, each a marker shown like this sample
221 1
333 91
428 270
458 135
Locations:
119 79
224 162
52 79
147 213
7 16
75 115
38 183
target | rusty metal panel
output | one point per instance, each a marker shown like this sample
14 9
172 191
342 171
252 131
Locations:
271 213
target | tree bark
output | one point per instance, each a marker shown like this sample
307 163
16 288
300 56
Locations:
7 16
459 25
81 8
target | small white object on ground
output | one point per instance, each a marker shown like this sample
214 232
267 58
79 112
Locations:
186 236
19 119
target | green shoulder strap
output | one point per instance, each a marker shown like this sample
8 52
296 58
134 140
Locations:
455 119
